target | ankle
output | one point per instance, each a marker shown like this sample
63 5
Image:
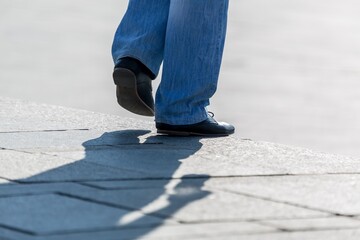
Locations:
135 66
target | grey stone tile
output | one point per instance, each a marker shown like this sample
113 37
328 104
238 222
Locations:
176 232
350 234
19 115
331 193
38 167
252 158
64 214
188 201
129 184
69 140
152 160
217 158
329 223
7 190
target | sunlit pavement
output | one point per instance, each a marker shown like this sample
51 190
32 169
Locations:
74 174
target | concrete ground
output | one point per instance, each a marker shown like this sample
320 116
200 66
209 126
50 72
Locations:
79 175
290 72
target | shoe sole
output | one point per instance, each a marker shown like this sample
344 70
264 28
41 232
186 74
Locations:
127 95
185 134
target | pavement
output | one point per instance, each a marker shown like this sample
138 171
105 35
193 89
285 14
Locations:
75 174
291 67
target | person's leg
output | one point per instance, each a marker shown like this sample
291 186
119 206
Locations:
193 51
141 33
138 52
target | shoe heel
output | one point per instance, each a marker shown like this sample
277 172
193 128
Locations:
126 92
124 78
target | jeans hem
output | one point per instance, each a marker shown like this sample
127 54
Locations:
182 121
147 62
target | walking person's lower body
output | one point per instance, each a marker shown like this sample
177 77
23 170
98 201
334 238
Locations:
188 37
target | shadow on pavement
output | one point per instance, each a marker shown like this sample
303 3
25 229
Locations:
156 196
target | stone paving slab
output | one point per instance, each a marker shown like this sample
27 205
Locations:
153 161
314 224
187 201
338 194
75 139
27 167
347 234
232 158
65 215
18 115
172 232
131 184
7 190
264 159
278 158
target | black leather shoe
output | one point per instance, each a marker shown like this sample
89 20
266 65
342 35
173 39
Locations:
210 127
134 90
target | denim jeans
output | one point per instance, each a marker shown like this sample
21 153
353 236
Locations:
188 37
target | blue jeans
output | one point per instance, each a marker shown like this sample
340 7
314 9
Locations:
188 37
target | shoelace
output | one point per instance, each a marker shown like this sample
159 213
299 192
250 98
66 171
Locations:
211 114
